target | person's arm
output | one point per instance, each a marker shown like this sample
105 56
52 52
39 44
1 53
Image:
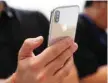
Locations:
99 77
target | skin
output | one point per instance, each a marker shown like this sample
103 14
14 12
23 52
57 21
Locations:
72 77
53 65
98 13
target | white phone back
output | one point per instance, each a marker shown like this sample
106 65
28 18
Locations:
66 26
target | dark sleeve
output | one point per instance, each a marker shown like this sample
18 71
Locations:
43 25
85 59
33 24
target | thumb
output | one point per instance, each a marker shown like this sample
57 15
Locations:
28 46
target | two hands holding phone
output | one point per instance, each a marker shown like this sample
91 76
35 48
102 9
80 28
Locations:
53 65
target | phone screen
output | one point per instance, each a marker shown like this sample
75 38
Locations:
63 23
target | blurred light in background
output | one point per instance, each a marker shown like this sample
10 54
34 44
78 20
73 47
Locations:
45 6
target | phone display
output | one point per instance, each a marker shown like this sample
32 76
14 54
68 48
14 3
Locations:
63 23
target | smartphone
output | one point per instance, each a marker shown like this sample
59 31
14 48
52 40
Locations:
63 22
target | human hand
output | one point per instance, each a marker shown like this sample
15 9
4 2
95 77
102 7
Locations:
50 66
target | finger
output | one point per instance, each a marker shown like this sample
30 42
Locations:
28 46
65 71
75 47
59 62
55 50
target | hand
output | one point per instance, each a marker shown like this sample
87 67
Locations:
50 66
